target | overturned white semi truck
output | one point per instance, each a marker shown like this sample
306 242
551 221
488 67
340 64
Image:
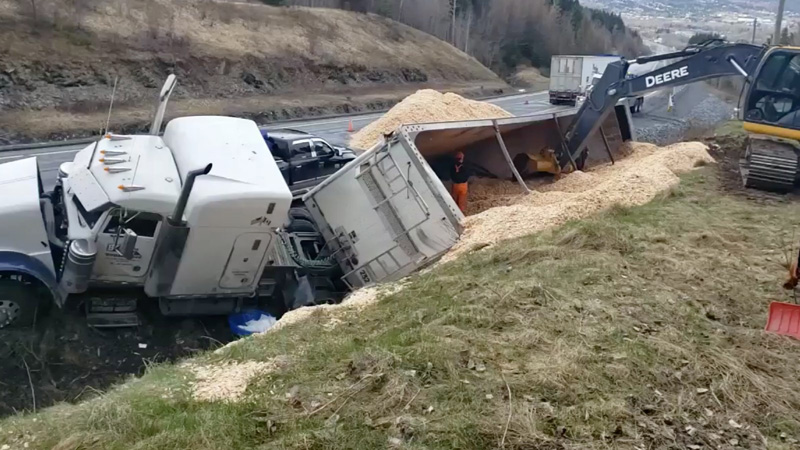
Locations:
200 220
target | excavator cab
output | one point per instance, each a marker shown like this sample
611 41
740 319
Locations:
773 104
772 119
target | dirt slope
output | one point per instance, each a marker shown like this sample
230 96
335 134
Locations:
67 57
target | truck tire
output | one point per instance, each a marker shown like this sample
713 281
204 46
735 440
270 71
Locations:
300 213
19 303
301 226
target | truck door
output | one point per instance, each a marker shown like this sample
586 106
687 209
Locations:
245 260
324 152
109 265
305 164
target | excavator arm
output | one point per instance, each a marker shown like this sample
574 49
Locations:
701 62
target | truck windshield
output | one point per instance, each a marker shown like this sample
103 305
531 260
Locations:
90 218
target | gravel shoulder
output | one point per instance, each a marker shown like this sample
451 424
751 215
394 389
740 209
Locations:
698 109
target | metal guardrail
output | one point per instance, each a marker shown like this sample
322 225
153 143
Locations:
40 145
88 140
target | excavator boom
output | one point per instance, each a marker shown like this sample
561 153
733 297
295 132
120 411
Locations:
702 62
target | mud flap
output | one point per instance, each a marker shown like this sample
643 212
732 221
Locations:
784 319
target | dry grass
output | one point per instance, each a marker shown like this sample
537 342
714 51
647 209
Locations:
638 328
267 63
232 30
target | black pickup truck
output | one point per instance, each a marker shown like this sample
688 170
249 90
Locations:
305 160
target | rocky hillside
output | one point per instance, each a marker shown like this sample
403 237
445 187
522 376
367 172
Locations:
63 57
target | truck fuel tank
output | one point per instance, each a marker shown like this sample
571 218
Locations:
78 264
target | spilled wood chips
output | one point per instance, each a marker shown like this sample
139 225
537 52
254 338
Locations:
228 382
426 105
634 180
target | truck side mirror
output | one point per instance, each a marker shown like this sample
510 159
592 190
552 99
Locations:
127 249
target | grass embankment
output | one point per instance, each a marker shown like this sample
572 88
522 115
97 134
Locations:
640 328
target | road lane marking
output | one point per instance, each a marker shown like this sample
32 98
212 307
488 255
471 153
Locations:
28 155
344 120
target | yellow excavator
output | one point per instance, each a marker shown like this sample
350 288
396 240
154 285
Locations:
770 114
771 108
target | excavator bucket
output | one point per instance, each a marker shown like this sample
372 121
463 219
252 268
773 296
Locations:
784 318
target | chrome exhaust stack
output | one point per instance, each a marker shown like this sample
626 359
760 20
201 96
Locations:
161 109
171 241
176 219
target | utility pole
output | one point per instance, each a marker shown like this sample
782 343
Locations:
755 23
453 25
776 37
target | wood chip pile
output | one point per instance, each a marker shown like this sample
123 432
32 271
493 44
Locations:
425 106
634 180
227 382
356 301
486 193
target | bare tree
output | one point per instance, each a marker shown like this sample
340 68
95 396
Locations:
500 32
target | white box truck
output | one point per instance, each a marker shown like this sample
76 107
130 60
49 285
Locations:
571 75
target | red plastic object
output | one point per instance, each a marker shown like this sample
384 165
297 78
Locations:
784 318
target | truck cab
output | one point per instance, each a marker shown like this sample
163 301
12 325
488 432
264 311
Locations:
103 225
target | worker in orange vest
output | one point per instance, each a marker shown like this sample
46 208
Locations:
459 175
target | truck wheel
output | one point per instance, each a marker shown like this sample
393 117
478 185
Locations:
301 226
19 303
300 213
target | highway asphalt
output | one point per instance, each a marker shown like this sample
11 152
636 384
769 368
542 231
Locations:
333 130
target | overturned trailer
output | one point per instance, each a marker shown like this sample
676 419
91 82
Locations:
493 146
404 177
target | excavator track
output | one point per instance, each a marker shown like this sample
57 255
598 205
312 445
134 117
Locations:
769 164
